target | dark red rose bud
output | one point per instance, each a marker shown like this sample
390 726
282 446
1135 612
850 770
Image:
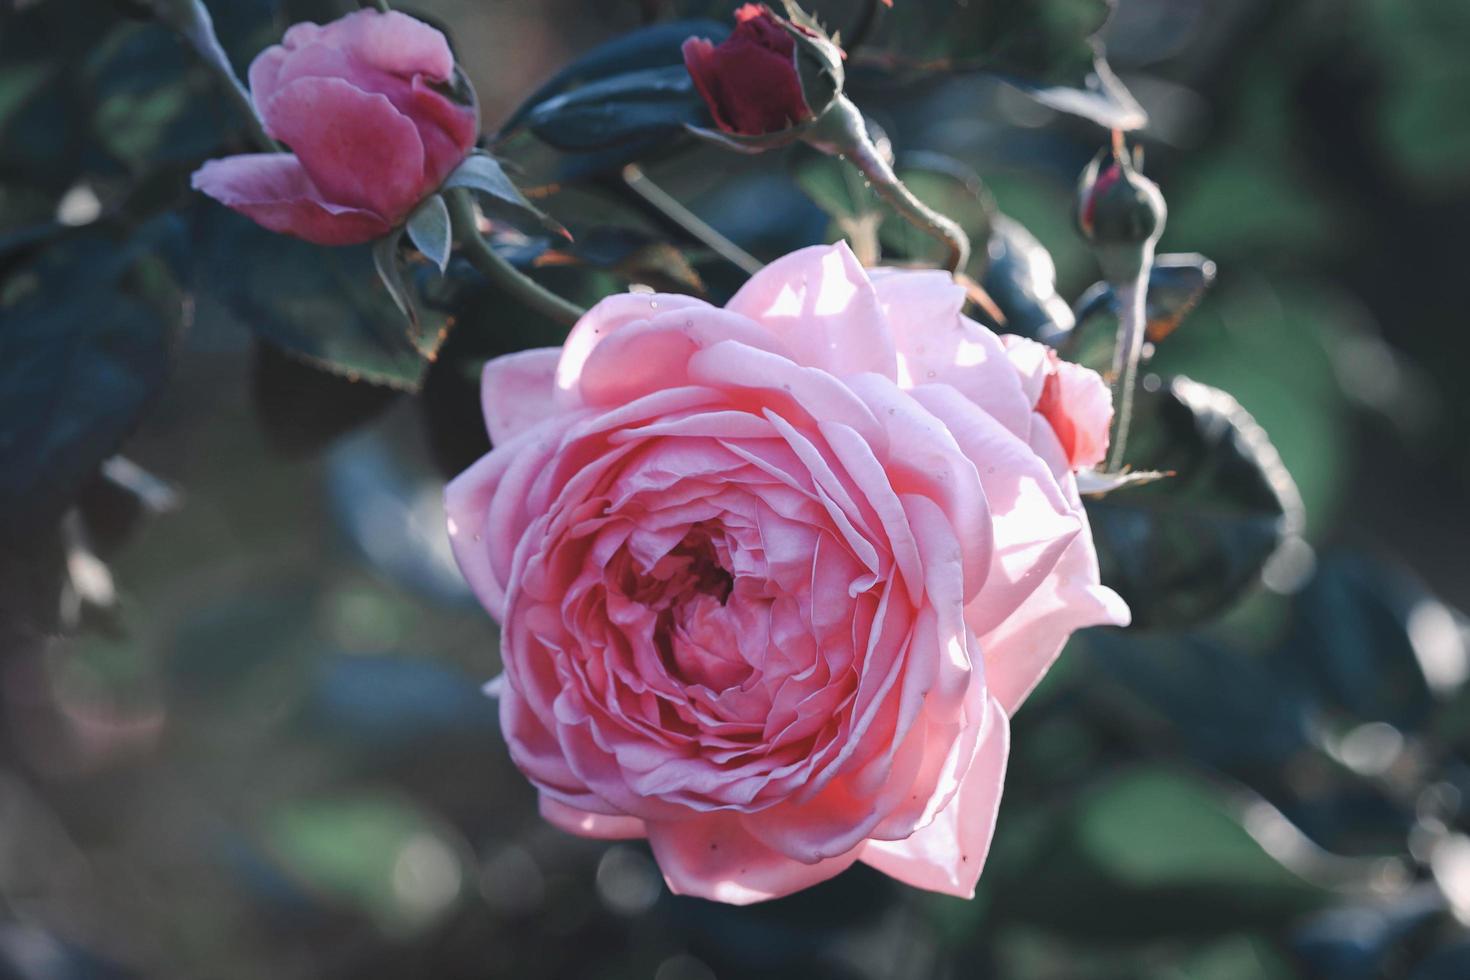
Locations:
750 81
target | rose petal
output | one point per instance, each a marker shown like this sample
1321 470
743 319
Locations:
936 344
608 316
819 301
712 856
1020 648
639 356
274 191
393 42
948 855
585 824
359 150
1033 521
517 390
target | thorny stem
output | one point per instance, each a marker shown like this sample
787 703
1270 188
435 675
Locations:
842 132
495 268
1128 351
667 205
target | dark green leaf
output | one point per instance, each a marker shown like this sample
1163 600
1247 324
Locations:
304 408
390 274
326 306
89 329
1181 550
1153 851
428 229
1174 288
632 255
1226 705
1047 48
1368 639
1022 280
657 46
652 103
499 197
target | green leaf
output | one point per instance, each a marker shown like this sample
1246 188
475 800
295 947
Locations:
1369 640
326 306
390 274
90 327
1047 48
1022 280
1224 706
656 46
655 102
1151 851
634 256
1183 549
1175 287
499 197
428 229
303 408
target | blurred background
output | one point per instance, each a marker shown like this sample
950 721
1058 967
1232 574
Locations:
263 750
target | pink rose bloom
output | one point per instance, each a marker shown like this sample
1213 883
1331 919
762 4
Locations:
360 102
1073 399
772 578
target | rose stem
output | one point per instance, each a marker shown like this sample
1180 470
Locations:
191 19
1132 298
849 138
498 270
667 205
381 5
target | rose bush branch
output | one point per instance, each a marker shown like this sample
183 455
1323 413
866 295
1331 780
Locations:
670 207
1121 213
776 81
841 132
472 244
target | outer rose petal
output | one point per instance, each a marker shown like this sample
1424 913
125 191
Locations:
1080 409
516 391
393 42
357 148
947 855
598 323
819 301
1020 649
483 547
1034 520
585 824
937 344
712 856
447 129
1073 399
275 192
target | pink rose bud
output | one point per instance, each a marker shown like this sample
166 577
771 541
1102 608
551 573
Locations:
362 104
750 81
773 578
